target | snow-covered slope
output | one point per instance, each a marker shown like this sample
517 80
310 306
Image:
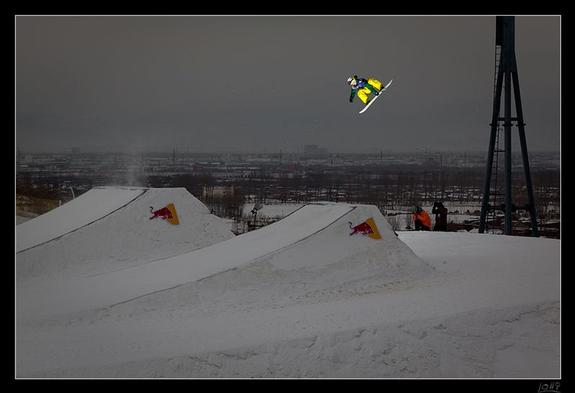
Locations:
312 238
321 303
108 228
78 213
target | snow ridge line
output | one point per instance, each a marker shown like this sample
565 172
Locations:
85 225
236 267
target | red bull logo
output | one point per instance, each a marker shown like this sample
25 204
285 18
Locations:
367 228
163 213
166 213
362 228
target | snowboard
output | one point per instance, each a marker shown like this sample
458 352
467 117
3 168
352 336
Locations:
376 97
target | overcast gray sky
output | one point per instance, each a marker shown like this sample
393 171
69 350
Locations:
265 83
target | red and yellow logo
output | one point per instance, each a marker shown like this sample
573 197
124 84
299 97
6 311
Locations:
367 228
166 213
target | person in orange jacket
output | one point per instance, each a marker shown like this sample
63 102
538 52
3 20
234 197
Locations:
421 219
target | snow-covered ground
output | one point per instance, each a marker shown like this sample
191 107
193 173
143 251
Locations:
303 298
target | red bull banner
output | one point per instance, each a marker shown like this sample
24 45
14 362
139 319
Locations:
367 228
167 213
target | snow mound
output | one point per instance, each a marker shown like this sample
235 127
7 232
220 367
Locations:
109 228
310 249
328 266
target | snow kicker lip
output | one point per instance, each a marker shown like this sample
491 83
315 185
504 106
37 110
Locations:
61 235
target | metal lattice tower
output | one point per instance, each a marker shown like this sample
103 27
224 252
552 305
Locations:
506 72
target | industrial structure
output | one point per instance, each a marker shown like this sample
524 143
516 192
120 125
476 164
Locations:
505 74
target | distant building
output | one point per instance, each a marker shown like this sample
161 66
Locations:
314 151
198 168
218 191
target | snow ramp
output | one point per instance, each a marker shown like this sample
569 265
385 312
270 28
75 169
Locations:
315 240
76 214
109 228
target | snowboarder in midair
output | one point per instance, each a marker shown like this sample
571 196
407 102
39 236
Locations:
363 88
